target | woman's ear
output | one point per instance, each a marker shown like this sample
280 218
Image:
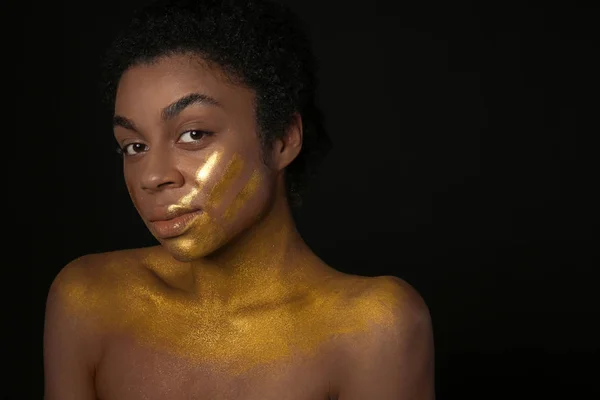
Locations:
287 148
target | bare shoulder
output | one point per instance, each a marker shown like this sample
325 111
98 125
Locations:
403 300
403 307
392 356
73 344
387 304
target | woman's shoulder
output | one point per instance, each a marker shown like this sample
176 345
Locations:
92 279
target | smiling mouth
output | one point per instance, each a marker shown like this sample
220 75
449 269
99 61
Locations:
175 226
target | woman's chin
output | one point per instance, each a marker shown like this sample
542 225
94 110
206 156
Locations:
190 246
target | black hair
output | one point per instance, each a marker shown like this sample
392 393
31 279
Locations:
257 43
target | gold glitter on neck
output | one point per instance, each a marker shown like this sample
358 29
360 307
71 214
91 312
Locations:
129 301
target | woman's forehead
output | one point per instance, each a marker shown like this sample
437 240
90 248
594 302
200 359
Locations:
167 79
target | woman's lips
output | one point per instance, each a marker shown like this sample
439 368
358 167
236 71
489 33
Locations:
176 226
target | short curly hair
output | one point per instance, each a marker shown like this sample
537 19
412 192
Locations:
257 43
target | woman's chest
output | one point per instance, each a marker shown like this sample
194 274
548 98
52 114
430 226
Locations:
131 370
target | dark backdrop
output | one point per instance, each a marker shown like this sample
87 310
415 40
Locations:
462 163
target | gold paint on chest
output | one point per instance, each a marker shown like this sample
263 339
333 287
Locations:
210 332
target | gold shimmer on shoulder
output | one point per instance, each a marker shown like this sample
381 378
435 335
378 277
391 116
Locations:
243 196
233 340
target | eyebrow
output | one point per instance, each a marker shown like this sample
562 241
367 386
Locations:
172 110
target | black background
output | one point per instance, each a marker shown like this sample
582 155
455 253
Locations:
462 163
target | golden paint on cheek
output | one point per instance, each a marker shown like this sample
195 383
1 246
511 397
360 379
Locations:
243 196
232 171
202 176
204 233
204 173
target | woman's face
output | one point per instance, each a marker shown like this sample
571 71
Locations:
192 157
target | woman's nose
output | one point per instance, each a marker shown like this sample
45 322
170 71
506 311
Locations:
160 171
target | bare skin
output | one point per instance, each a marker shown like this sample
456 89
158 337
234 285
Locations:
232 304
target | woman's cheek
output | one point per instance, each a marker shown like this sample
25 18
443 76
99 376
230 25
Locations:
231 191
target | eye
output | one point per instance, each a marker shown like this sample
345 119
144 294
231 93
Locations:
134 148
192 136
